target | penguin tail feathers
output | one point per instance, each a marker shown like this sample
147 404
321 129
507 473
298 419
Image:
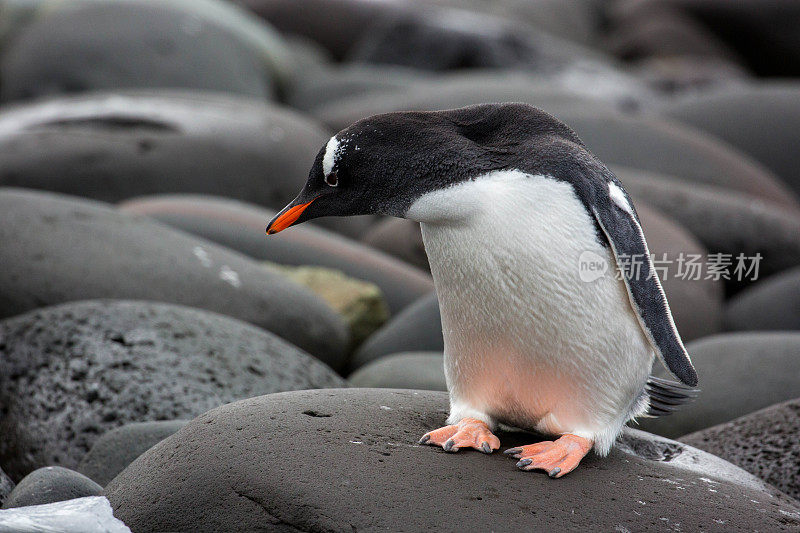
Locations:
667 396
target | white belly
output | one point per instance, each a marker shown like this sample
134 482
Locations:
526 340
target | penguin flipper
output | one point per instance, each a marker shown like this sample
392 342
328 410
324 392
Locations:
619 223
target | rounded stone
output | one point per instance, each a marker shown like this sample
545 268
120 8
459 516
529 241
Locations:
70 373
409 370
240 226
771 304
116 449
739 373
57 249
49 485
417 328
89 46
114 146
400 238
759 119
553 94
723 220
764 443
359 467
659 145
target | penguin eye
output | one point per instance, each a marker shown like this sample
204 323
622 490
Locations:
332 179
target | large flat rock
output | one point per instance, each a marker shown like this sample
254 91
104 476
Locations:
739 373
70 373
348 460
74 46
113 146
240 226
57 249
764 443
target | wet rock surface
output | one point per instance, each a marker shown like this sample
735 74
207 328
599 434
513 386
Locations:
739 373
764 443
116 449
70 373
56 249
240 226
377 477
113 146
49 485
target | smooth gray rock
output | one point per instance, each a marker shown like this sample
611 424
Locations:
771 304
409 370
240 226
723 220
75 46
113 146
6 486
739 373
764 443
57 249
241 467
759 119
70 373
116 449
417 328
659 145
49 485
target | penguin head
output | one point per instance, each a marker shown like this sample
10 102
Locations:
382 164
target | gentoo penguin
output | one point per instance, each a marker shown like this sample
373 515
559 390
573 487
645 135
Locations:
511 203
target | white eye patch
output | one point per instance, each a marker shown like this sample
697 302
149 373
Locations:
329 159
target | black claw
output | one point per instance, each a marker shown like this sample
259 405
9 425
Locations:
524 462
512 451
554 472
449 445
424 439
485 447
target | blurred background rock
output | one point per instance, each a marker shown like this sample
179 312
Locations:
144 144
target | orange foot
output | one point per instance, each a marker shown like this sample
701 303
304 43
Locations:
556 458
469 432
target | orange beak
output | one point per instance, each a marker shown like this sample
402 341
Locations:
286 218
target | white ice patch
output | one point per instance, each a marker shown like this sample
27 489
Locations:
329 158
202 255
618 197
92 514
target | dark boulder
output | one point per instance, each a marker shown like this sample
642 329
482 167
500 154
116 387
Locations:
112 147
760 120
49 485
6 486
116 449
70 373
57 249
764 443
739 373
417 328
72 46
772 304
240 226
348 460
